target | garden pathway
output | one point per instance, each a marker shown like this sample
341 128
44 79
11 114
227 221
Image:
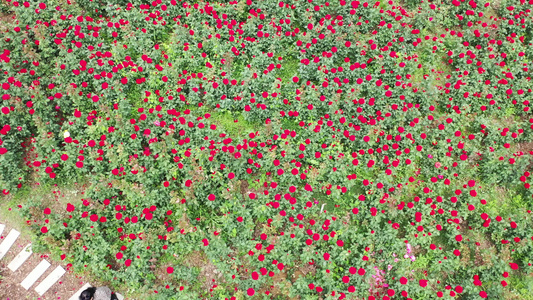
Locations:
32 268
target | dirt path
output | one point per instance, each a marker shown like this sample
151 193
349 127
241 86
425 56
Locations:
10 287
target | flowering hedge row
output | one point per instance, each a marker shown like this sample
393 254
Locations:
381 135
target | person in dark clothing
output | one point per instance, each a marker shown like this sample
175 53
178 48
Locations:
103 292
88 294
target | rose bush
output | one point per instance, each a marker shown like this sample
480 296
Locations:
376 128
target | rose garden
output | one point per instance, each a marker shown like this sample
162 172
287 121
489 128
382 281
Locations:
265 149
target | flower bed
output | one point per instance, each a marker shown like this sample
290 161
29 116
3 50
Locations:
410 123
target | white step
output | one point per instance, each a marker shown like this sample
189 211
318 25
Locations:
20 258
76 295
2 226
50 280
35 274
8 242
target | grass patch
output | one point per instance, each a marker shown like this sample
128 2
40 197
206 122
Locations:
234 124
33 199
9 213
289 69
46 194
522 285
504 202
289 124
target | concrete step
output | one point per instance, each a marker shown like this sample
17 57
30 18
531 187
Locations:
50 280
20 258
9 240
35 274
76 295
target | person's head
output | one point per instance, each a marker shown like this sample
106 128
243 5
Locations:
88 293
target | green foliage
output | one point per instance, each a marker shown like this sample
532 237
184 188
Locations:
208 136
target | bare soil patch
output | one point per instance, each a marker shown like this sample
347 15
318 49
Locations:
209 274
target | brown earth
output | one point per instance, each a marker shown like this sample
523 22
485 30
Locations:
209 274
